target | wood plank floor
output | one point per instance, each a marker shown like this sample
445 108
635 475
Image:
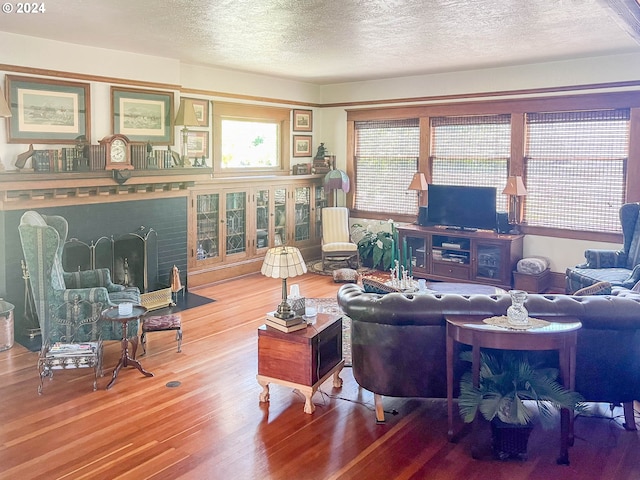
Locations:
213 426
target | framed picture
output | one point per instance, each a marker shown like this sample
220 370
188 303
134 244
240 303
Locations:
201 107
47 111
142 115
198 144
302 120
302 145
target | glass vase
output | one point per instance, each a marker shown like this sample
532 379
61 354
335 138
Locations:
517 314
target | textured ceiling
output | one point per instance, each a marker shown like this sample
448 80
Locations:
336 41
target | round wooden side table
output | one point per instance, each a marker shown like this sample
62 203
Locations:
561 336
112 314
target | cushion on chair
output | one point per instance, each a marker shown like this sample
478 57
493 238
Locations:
532 265
600 288
371 285
157 323
339 247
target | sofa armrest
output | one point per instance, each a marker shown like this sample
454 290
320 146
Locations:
91 295
599 258
634 277
99 277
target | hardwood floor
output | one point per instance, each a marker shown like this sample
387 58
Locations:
212 426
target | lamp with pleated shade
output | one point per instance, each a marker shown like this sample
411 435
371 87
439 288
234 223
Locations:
515 189
186 117
283 262
336 180
419 183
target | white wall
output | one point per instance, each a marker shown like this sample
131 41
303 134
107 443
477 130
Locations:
329 123
615 68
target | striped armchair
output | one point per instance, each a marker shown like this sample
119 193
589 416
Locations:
336 238
621 268
42 238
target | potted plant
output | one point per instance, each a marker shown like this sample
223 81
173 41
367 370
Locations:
507 381
377 246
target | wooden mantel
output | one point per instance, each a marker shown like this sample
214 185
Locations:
19 190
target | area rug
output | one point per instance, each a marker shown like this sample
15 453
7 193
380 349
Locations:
330 305
315 266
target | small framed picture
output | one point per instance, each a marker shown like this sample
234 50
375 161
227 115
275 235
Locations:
198 144
302 145
201 107
302 120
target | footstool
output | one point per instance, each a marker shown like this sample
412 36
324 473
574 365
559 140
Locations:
161 323
532 275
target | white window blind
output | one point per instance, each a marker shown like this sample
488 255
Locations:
472 151
387 154
576 169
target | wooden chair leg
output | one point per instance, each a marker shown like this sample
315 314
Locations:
179 339
629 416
377 400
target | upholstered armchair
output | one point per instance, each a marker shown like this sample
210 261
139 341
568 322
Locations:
43 238
621 268
336 238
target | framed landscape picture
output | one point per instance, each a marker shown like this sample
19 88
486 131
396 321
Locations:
198 144
47 111
142 115
302 120
302 145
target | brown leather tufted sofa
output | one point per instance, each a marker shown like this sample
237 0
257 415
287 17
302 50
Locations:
398 341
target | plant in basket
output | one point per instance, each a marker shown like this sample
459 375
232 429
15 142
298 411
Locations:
509 393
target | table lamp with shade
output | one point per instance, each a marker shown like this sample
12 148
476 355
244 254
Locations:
5 112
515 189
283 262
186 117
418 183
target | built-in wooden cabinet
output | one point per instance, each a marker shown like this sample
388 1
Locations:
461 256
233 223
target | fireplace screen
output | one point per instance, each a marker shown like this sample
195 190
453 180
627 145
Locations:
131 258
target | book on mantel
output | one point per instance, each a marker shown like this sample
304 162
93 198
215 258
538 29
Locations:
286 329
287 322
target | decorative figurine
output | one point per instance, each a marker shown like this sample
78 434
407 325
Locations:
321 153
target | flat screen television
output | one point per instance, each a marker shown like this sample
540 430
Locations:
462 207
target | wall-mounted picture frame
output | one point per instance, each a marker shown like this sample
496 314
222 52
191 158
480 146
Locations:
302 145
142 115
201 107
47 111
302 120
198 144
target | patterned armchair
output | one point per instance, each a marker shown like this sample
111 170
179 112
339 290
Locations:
621 268
43 238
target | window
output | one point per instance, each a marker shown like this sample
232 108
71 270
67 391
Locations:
386 157
472 151
249 144
250 139
576 168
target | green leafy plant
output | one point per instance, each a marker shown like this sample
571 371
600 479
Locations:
506 382
378 247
